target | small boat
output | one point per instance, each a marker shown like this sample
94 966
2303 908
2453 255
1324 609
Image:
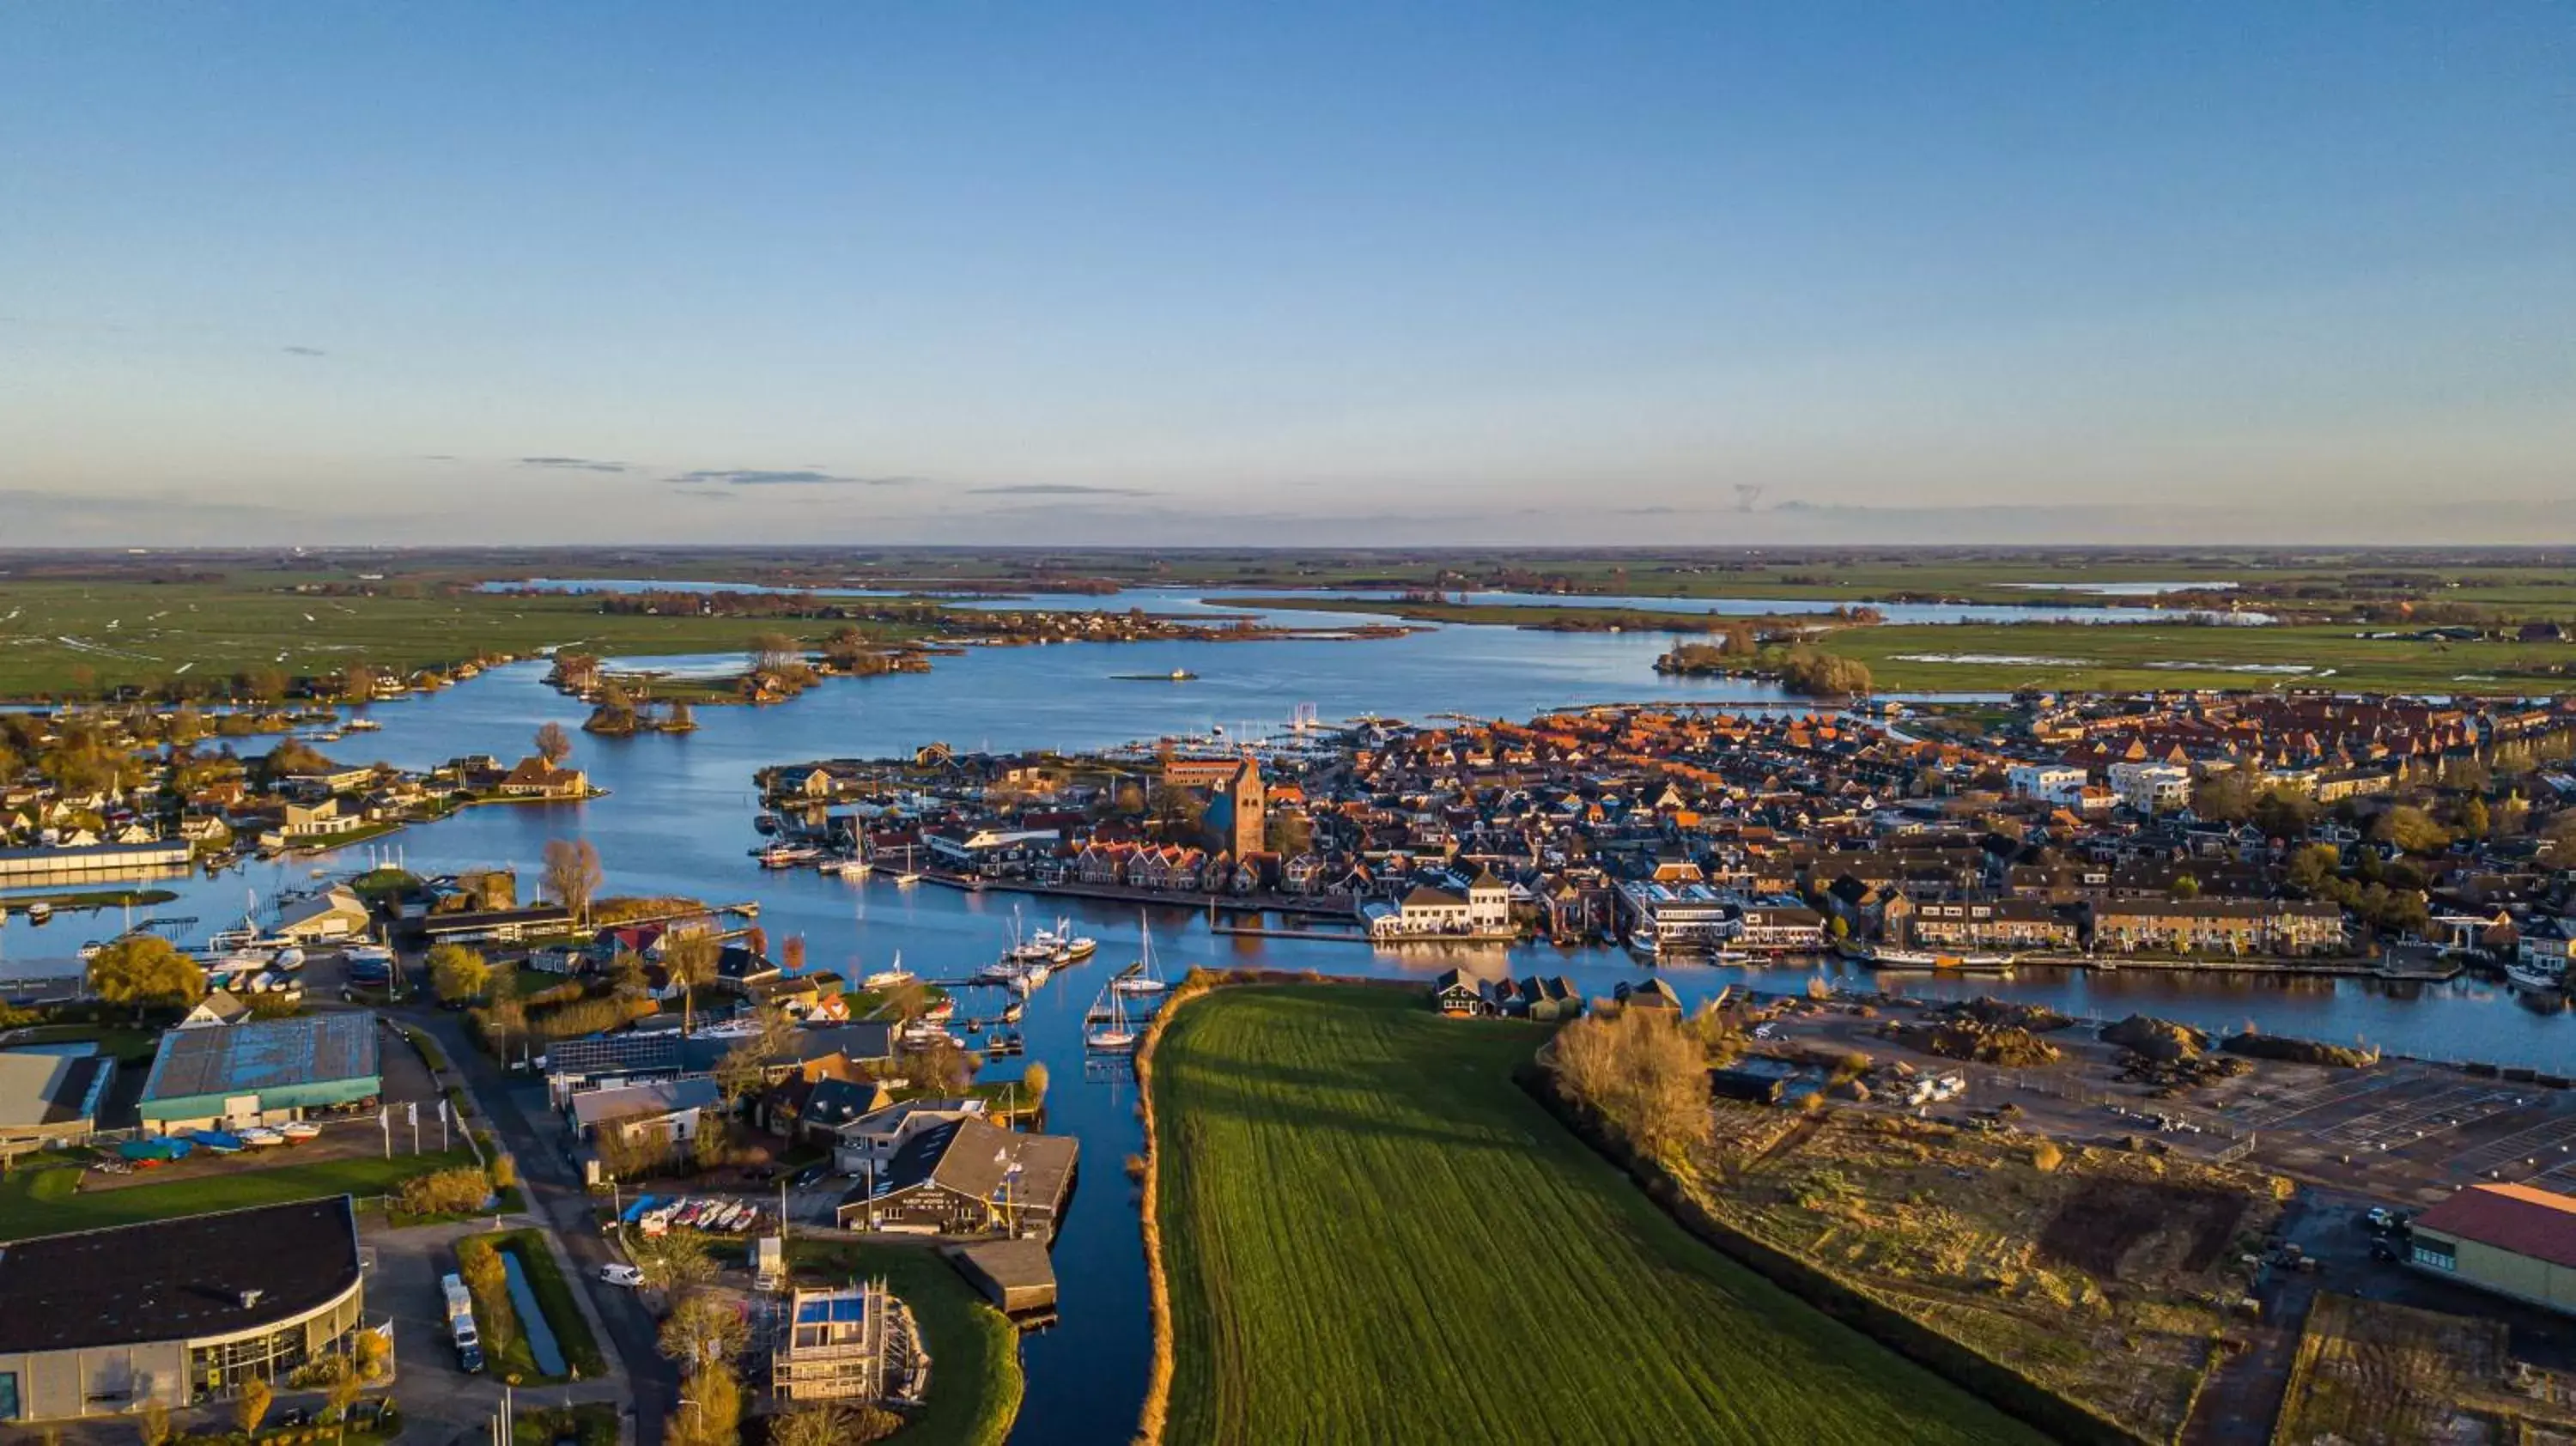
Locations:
289 958
260 1137
766 823
39 911
908 877
89 950
1062 945
1110 1032
362 725
218 1142
1140 977
786 856
940 1011
893 978
846 867
2534 978
300 1132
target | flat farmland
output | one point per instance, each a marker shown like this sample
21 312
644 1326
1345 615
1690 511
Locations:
75 637
1371 1234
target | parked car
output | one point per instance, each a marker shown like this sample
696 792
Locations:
811 1176
2381 1219
2381 1250
292 1416
625 1275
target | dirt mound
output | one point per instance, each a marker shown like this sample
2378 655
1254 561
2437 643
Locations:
1962 1038
2175 1076
2001 1013
2301 1051
2155 1038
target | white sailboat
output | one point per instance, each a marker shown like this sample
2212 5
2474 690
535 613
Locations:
1141 977
1110 1031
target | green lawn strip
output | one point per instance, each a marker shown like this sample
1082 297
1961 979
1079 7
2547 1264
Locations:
1372 1234
2129 656
975 1380
554 1297
45 1200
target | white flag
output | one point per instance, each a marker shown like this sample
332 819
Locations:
384 1115
442 1109
414 1107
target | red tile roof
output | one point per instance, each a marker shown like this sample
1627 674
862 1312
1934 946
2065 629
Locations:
2538 1223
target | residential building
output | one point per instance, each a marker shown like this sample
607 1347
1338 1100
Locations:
965 1177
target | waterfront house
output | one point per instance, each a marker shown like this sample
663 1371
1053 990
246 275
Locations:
965 1177
2223 926
1457 995
536 778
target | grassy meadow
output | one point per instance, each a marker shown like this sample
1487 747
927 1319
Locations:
2124 657
53 634
44 1197
1371 1234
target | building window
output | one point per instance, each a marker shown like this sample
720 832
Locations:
2438 1255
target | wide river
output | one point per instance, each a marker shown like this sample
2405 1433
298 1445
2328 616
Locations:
678 820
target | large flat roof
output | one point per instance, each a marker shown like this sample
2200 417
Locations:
2518 1218
182 1279
243 1059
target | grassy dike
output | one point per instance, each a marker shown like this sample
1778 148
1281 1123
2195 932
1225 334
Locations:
1362 1230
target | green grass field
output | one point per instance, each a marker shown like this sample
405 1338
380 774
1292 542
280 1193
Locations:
60 633
2140 656
975 1381
1371 1234
42 1199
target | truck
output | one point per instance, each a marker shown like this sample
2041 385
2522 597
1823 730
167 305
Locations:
460 1324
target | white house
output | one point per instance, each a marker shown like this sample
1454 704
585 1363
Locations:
1483 910
2151 787
2054 782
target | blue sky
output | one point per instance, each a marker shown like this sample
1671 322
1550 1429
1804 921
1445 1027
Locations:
320 272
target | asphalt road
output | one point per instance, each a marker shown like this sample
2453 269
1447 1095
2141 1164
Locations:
557 1197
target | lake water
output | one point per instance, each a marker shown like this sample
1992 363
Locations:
1217 601
678 820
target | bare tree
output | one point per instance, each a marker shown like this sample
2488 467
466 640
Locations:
690 959
554 745
674 1261
704 1331
573 875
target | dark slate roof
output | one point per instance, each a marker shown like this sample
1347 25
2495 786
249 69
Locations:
175 1279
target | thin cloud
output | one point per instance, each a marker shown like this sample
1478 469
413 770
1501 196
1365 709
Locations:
573 464
803 477
1058 489
438 457
303 351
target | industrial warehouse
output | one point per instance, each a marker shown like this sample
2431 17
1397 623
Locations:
264 1072
2513 1240
175 1311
